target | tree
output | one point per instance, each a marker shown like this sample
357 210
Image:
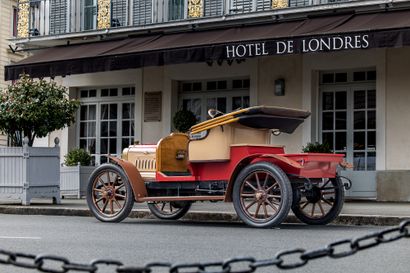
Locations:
33 108
183 120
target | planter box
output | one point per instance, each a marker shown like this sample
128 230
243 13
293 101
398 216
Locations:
30 172
74 179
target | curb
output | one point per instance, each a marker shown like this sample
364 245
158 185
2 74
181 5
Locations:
207 216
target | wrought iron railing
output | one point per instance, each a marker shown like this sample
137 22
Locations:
56 17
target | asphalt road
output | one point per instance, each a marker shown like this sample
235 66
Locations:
136 242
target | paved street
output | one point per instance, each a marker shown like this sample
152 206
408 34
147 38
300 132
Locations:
137 241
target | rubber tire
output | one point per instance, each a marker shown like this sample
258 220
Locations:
282 180
157 213
333 212
129 201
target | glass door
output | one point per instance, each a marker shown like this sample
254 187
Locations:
89 14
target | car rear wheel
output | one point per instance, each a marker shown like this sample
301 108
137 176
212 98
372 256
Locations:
169 210
109 194
320 205
262 195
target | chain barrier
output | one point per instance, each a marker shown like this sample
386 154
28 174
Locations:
283 260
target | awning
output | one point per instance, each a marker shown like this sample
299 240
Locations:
314 34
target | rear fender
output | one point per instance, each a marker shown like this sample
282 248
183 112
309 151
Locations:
134 176
283 162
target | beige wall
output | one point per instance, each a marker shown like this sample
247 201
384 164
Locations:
289 68
398 109
6 56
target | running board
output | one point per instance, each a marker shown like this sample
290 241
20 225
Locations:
180 198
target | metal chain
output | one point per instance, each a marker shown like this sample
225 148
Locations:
288 259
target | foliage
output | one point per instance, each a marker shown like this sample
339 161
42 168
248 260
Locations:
33 108
316 147
183 120
73 157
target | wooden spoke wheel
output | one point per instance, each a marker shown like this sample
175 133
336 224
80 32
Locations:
169 210
262 195
320 205
109 194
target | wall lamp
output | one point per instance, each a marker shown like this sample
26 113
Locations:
279 87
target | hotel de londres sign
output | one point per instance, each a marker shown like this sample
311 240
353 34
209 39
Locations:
297 45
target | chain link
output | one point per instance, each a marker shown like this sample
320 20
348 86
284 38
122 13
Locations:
247 264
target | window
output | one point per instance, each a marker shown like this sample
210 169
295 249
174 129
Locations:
89 14
223 95
176 9
106 121
15 18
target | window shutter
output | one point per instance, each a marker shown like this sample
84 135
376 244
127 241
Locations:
142 12
58 16
263 5
299 3
241 6
119 10
213 7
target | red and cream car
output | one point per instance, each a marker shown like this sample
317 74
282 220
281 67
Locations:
227 158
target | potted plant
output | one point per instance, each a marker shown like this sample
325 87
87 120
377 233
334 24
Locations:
183 120
74 173
29 109
316 147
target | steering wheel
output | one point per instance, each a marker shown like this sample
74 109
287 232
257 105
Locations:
213 113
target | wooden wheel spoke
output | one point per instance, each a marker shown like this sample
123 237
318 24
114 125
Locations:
321 208
247 195
108 178
99 200
112 206
170 207
313 209
266 180
104 206
102 182
163 206
98 190
120 187
304 205
120 196
118 204
327 202
274 196
251 186
274 186
257 181
265 210
257 210
250 204
272 206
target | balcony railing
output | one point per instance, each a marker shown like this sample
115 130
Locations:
56 17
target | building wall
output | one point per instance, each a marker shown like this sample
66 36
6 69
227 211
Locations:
288 68
6 55
397 109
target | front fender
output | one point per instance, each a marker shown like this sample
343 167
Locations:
134 176
283 162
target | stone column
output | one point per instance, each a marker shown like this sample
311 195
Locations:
23 17
195 8
104 16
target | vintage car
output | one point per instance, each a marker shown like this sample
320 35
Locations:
226 158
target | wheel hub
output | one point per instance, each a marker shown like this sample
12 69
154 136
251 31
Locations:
314 195
260 195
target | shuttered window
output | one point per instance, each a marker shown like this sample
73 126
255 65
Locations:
213 7
263 5
241 6
58 16
119 10
142 12
299 3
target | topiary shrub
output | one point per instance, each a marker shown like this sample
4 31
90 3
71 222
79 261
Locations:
316 147
76 156
183 120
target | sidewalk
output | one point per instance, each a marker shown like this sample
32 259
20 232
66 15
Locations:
354 212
